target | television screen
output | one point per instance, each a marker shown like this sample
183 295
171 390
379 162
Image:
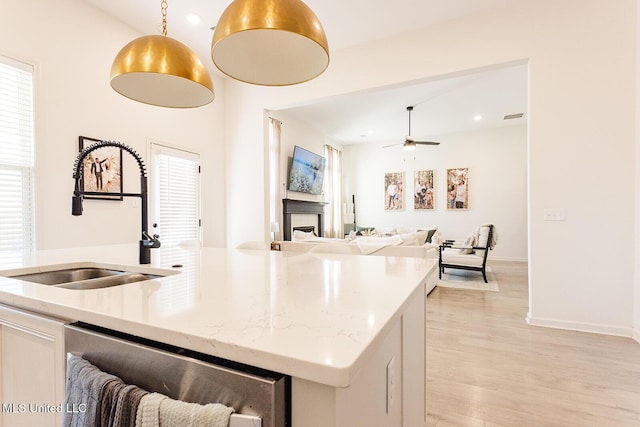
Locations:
306 174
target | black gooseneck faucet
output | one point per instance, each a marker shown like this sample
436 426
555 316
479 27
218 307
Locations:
147 242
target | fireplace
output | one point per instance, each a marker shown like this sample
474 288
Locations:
293 207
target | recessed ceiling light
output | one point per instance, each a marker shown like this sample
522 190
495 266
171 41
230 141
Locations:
193 19
477 117
370 132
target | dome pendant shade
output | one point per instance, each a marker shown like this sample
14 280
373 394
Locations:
159 70
270 42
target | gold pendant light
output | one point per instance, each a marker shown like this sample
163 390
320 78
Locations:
270 42
159 70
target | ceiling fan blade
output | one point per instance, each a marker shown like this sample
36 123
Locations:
392 145
426 142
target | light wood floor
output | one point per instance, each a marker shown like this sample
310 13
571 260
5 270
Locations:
487 367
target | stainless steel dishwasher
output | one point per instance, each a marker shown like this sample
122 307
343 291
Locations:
260 398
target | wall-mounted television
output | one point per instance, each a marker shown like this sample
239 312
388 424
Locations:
306 174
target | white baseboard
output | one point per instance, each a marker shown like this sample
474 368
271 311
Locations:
493 258
584 327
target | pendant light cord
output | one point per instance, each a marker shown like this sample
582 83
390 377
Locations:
163 8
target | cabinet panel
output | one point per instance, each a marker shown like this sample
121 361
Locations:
32 369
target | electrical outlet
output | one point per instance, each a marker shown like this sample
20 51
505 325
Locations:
554 214
391 383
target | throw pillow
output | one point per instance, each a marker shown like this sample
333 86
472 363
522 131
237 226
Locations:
409 239
430 234
364 231
470 241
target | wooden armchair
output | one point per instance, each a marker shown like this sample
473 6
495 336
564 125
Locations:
468 255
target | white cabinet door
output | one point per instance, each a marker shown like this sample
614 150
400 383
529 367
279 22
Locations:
32 369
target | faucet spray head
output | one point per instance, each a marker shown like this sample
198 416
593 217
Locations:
76 199
76 205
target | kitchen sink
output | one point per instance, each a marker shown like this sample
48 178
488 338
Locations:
56 277
86 277
108 281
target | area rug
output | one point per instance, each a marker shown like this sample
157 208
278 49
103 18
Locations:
465 279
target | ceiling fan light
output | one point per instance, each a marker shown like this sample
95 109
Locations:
161 71
270 42
409 146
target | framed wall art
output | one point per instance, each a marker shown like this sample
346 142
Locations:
394 191
423 194
458 188
101 171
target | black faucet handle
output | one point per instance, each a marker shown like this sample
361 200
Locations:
146 236
150 242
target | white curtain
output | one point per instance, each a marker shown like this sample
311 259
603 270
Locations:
333 226
275 189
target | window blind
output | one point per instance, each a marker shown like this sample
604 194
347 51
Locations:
16 158
177 195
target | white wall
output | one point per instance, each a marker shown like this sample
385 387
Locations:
72 46
497 162
296 132
581 56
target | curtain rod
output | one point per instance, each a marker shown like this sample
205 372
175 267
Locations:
271 118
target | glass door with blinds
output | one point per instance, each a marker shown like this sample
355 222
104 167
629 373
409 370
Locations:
175 195
16 159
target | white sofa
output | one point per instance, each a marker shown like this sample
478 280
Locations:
427 250
400 245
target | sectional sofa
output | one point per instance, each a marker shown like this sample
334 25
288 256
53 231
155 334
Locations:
391 244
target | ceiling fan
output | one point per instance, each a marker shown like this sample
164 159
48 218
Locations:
409 143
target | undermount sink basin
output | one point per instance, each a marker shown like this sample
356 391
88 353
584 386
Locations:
86 277
56 277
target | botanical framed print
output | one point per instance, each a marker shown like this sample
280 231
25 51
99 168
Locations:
101 171
423 194
394 191
458 188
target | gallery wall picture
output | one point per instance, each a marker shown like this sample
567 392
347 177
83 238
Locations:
458 188
101 171
394 191
424 194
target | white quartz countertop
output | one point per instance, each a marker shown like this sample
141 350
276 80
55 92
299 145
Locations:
312 316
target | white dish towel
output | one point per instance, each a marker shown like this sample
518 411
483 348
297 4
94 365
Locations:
158 410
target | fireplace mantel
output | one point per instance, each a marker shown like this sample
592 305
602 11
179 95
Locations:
290 206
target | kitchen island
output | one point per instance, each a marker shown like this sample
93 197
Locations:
348 329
